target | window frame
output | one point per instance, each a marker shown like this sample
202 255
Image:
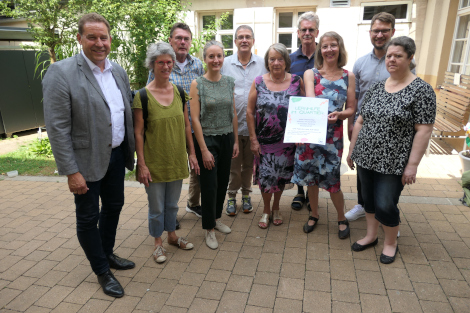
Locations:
220 32
389 3
463 65
289 30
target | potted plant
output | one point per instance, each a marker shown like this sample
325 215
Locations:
465 154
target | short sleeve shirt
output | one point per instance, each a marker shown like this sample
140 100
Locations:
165 138
300 62
385 140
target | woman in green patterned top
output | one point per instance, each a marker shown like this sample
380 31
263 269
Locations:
216 137
162 162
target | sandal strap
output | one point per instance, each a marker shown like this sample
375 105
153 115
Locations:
345 222
159 251
313 218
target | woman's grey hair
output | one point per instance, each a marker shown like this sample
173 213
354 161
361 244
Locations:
157 49
408 46
280 48
309 16
210 44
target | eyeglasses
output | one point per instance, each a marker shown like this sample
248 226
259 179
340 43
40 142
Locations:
310 30
179 38
247 37
383 31
162 63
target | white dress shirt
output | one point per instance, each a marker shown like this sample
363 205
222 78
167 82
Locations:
113 97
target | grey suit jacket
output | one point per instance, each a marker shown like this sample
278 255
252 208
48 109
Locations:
78 118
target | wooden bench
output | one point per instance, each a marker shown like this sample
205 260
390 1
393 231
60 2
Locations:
453 107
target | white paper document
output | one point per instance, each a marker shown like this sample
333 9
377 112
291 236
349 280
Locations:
307 120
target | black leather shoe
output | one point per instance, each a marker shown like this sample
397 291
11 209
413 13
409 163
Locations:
119 263
385 259
357 247
110 285
343 234
310 228
178 225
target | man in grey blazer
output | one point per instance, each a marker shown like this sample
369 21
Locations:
89 123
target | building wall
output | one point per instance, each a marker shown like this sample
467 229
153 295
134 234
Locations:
346 21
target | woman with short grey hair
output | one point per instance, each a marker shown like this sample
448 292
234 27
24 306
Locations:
163 144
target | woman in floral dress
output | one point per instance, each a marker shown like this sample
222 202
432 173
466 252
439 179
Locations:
319 165
266 117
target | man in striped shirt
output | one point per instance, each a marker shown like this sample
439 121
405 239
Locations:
186 70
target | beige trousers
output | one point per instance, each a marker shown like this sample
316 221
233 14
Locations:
241 170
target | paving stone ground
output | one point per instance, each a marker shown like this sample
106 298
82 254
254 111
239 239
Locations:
281 269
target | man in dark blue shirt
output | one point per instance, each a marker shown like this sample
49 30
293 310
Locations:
301 60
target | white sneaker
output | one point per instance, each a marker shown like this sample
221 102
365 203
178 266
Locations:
211 241
222 227
355 213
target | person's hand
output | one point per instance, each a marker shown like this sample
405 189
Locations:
144 176
208 159
350 162
409 175
77 184
194 165
235 150
333 117
254 147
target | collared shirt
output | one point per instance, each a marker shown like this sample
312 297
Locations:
183 78
113 98
300 62
244 78
368 70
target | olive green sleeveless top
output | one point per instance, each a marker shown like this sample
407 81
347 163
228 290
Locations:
216 100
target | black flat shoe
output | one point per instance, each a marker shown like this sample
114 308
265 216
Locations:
298 202
110 285
385 259
357 247
343 234
310 228
119 263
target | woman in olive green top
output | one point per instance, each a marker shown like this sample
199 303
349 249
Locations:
216 131
162 161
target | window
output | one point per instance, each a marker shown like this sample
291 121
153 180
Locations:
286 27
400 9
224 34
339 3
459 62
464 4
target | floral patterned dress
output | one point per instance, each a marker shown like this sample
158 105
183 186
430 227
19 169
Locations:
274 167
320 164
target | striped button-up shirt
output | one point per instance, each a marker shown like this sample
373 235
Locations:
192 70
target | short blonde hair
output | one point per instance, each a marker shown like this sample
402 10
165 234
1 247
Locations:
343 55
282 50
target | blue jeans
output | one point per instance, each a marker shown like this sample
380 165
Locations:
163 206
381 193
98 242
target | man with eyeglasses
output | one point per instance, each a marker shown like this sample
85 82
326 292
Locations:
186 70
369 69
301 60
244 66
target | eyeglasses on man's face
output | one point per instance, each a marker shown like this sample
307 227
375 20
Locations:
246 37
310 30
383 31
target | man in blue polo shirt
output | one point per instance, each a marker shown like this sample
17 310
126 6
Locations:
301 60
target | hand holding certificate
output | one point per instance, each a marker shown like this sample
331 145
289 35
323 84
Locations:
307 120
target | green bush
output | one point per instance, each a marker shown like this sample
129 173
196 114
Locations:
41 147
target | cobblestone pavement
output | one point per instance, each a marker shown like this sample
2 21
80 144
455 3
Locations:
281 269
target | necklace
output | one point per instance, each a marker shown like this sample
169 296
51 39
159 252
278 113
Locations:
285 75
241 61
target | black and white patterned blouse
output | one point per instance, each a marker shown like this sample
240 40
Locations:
385 140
